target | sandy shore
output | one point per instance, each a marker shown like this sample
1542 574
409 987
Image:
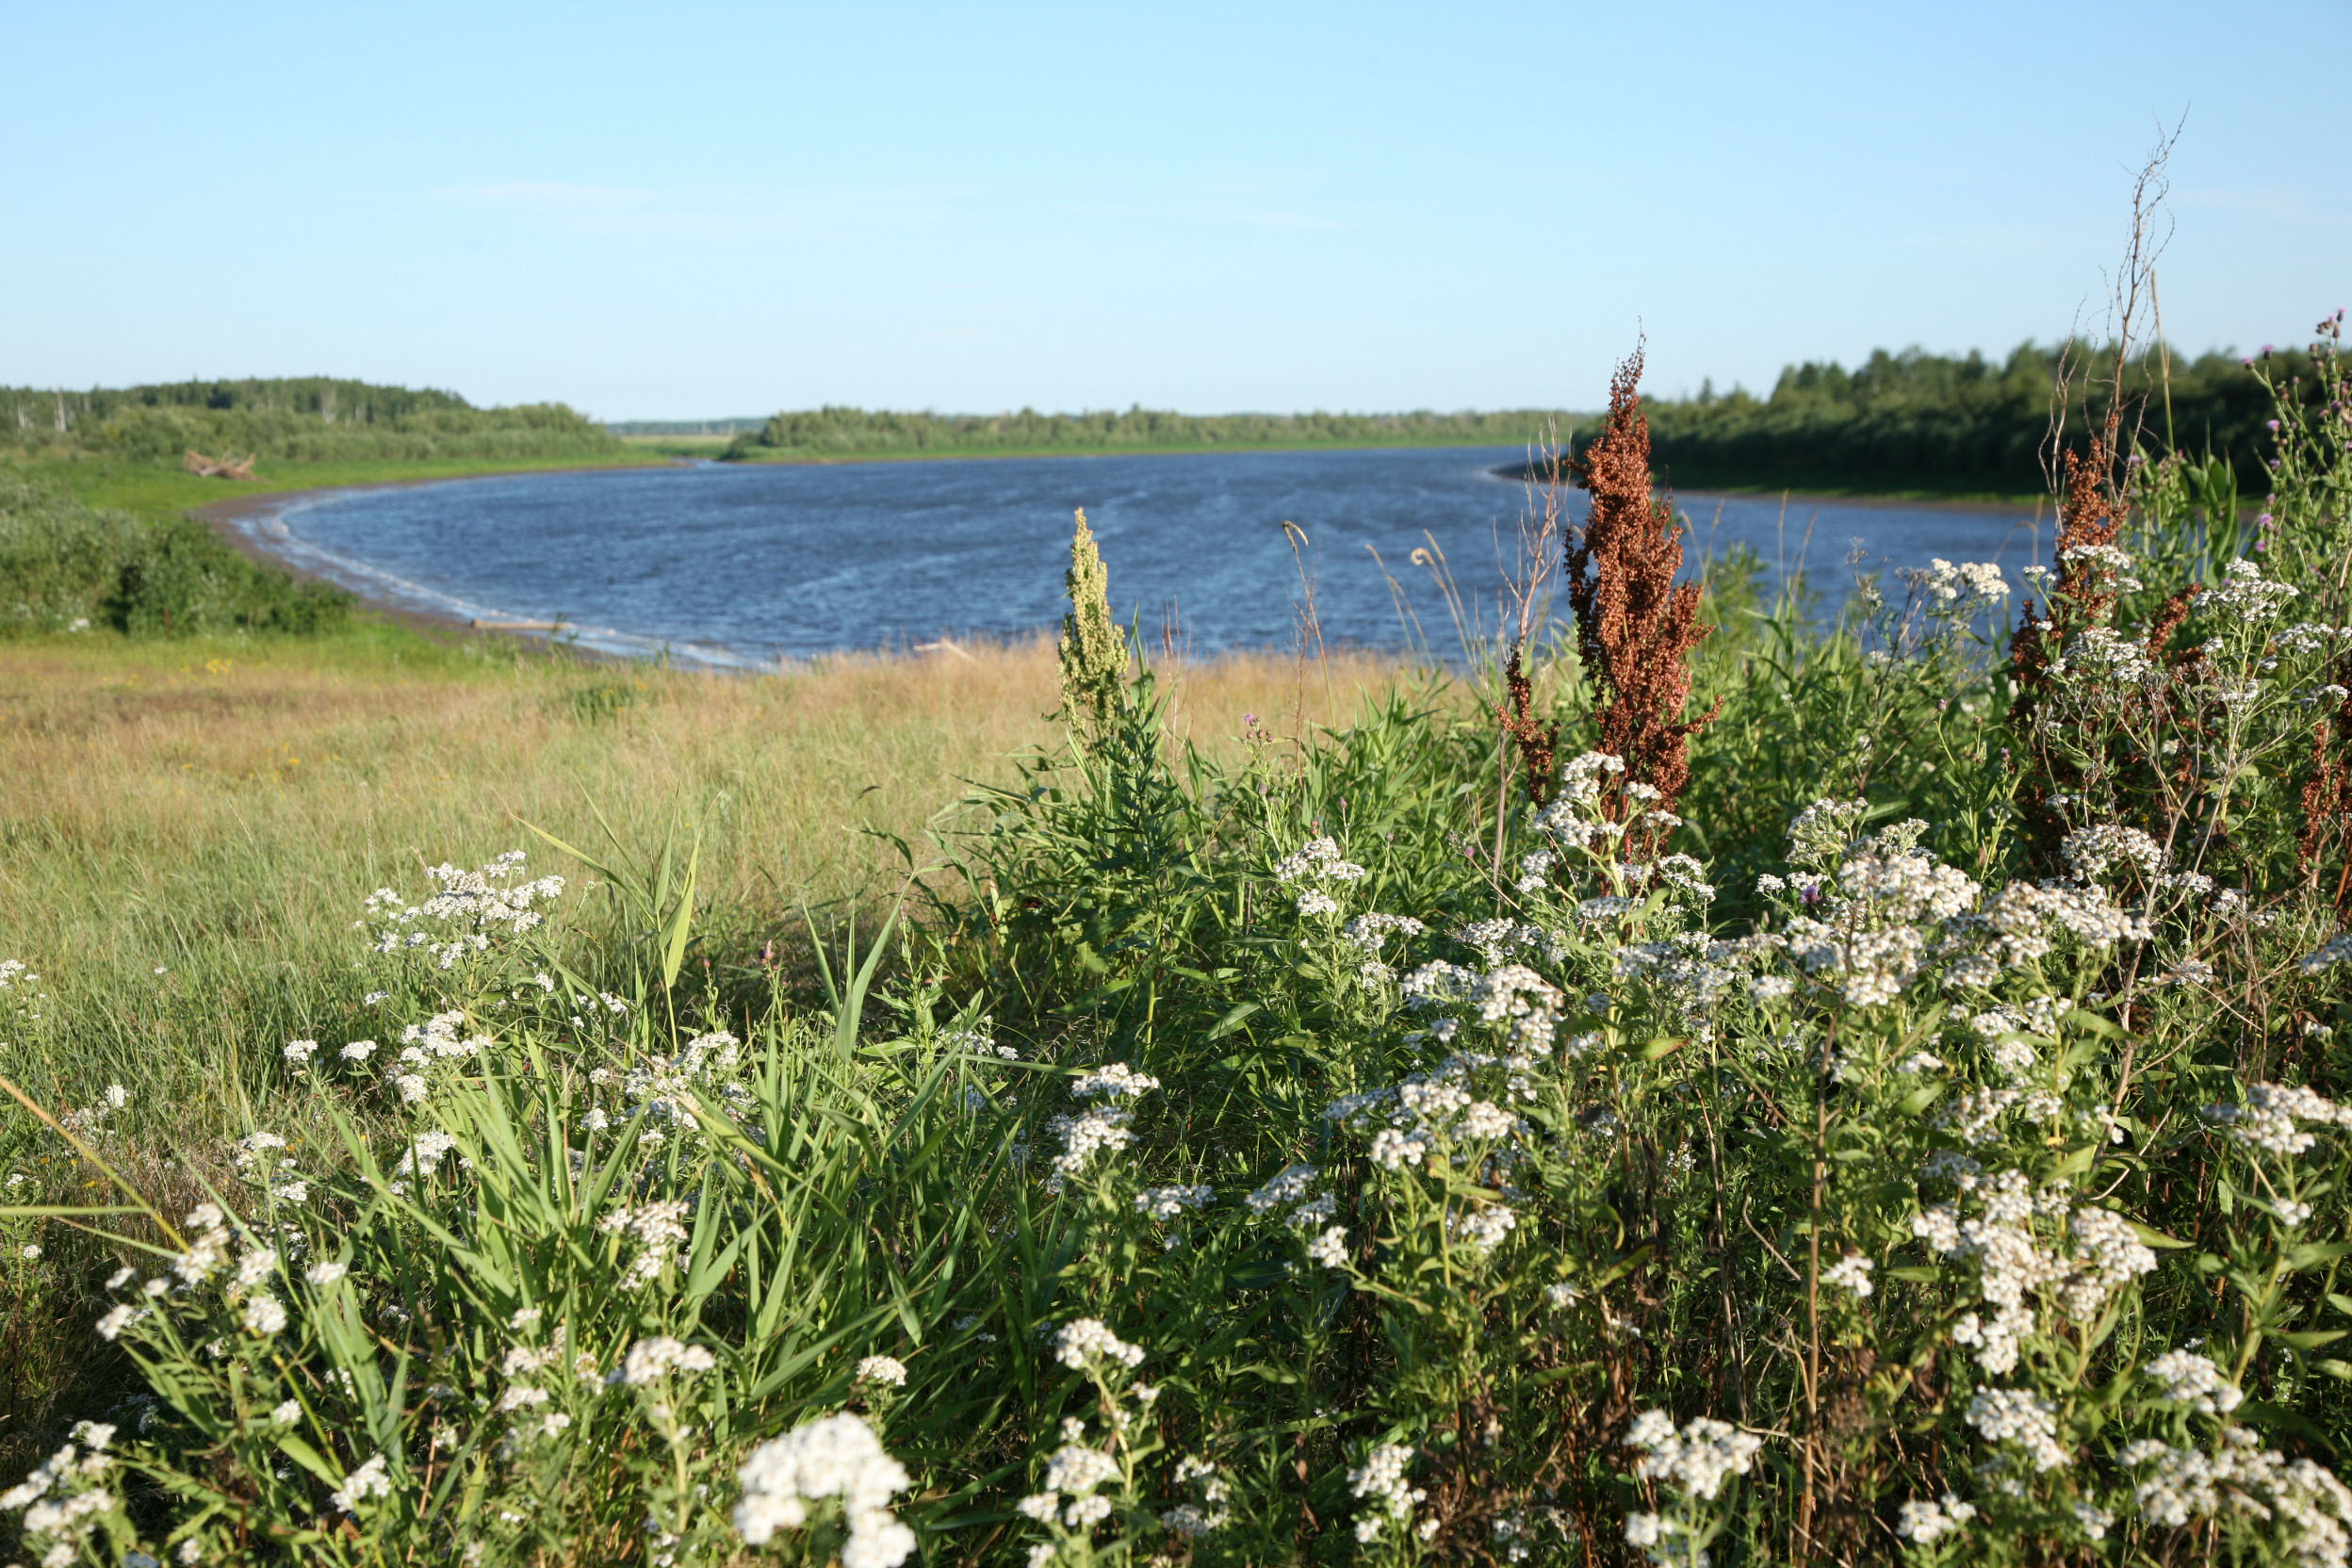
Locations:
225 517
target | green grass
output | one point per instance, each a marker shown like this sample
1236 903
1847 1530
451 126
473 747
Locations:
151 491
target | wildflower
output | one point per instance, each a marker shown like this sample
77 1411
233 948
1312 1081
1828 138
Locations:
2244 595
1086 1341
1114 1082
1288 1186
835 1456
1381 1480
1167 1202
298 1052
1315 901
2090 852
1482 1229
368 1481
264 1316
2020 1416
1924 1523
882 1369
2335 950
1331 1248
324 1274
650 1360
2193 1380
1696 1460
1083 1138
424 1155
2268 1119
1850 1274
287 1414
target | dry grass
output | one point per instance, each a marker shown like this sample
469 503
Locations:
215 811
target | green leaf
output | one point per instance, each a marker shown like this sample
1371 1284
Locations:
1233 1020
681 924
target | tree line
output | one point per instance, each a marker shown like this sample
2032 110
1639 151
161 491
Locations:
298 418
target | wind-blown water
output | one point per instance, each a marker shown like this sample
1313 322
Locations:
740 564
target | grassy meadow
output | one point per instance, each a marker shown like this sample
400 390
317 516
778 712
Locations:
1702 1081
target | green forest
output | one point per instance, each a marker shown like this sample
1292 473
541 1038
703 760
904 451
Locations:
1915 421
1908 421
297 419
840 432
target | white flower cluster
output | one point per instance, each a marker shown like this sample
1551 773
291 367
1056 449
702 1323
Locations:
2100 654
882 1369
423 1046
1694 1463
1193 1519
1116 1081
1850 1274
1100 1127
1577 814
1697 1459
2270 1118
90 1120
1072 1477
2335 950
1167 1202
657 1228
1498 940
1973 584
2014 1266
1371 931
2194 1381
837 1456
1331 1248
424 1156
1480 1228
1381 1480
469 906
2245 594
1083 1138
65 1497
1318 860
1288 1186
651 1360
1086 1341
2092 852
371 1480
1924 1523
705 1073
2303 1501
2023 1417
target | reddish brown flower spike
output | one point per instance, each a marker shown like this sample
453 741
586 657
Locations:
1635 626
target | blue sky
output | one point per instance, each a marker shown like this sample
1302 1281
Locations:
692 210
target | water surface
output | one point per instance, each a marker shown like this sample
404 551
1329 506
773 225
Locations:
741 565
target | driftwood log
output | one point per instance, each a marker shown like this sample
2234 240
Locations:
222 466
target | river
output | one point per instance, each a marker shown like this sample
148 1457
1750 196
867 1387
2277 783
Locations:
743 564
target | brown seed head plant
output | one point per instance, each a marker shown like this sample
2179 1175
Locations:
1636 627
2096 497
